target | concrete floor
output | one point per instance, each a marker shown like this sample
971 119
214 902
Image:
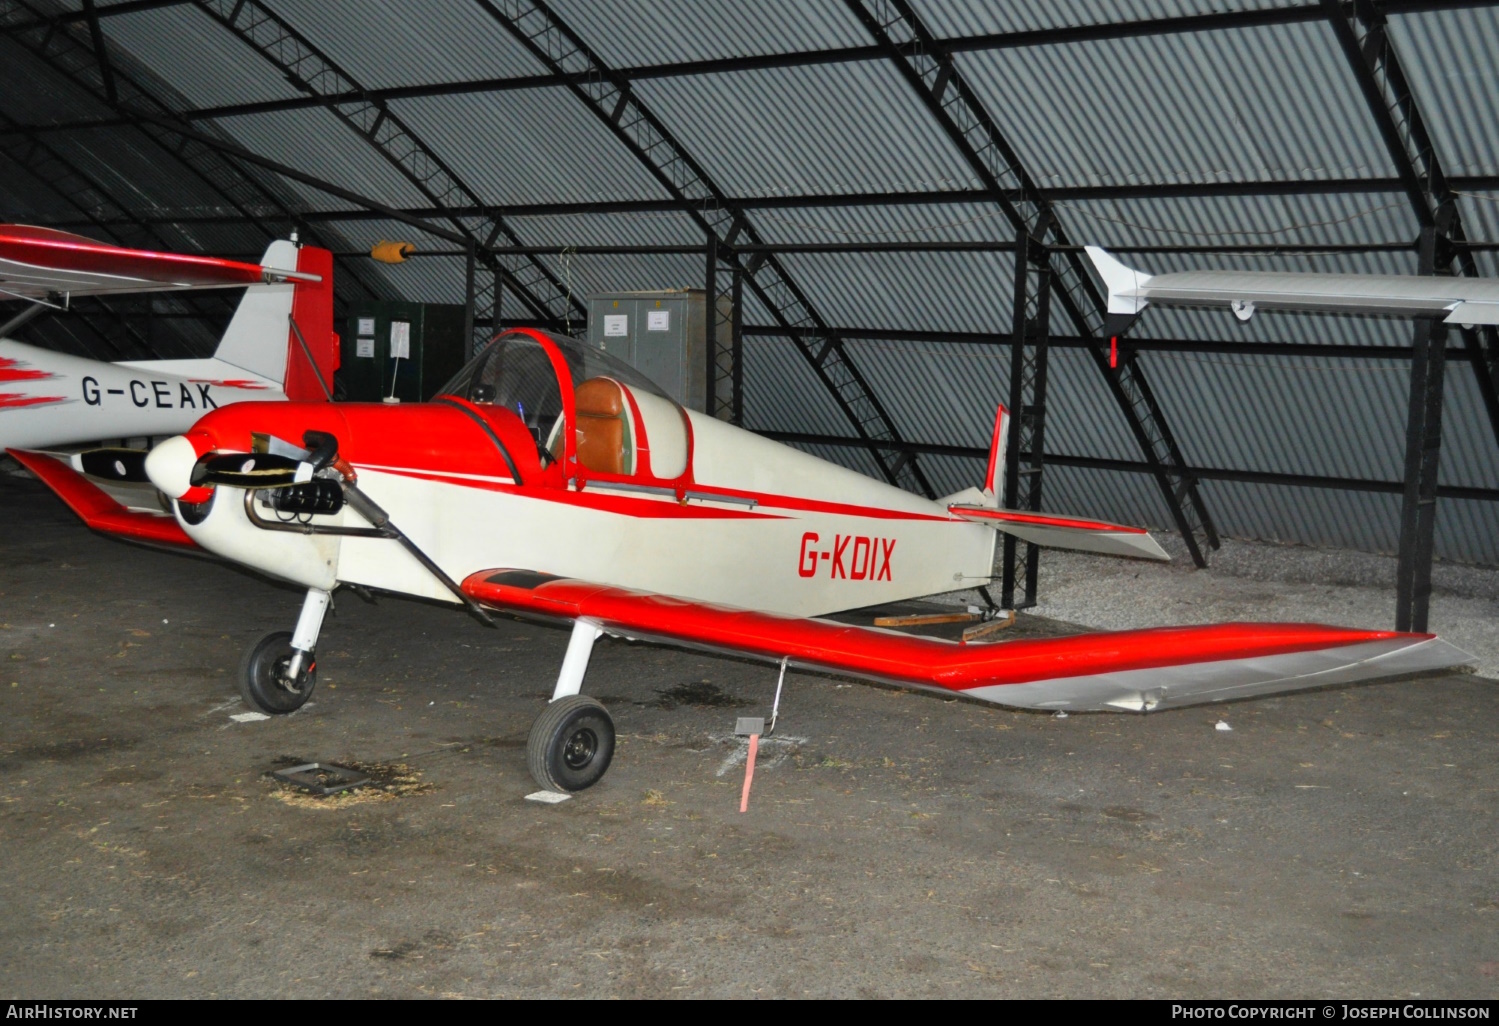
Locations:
1332 843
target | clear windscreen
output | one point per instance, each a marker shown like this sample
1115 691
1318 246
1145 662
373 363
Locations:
515 372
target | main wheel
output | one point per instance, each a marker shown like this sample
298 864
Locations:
571 744
263 679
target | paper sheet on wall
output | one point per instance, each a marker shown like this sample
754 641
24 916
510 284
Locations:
366 326
658 320
364 347
616 325
400 340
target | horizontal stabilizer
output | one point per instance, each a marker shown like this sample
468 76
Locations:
1113 671
1456 300
97 508
1066 532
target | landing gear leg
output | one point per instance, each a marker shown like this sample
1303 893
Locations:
572 741
278 672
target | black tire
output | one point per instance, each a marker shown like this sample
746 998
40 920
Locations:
571 744
262 676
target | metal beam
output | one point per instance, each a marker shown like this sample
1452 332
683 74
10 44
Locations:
942 88
312 71
421 218
10 21
1029 344
989 41
1055 459
835 248
1423 452
609 97
903 198
723 303
1314 349
100 53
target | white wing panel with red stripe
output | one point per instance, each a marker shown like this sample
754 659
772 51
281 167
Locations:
37 262
1122 670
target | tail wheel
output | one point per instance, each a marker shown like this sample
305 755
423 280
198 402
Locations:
571 744
264 679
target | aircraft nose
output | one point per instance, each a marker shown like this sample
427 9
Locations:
170 466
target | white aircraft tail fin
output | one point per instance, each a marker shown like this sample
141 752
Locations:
994 476
1122 282
284 332
984 506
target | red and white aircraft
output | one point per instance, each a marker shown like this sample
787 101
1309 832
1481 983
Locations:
279 344
550 481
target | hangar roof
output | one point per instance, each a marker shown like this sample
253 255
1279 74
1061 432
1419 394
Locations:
590 147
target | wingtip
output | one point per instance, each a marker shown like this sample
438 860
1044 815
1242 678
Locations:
1122 282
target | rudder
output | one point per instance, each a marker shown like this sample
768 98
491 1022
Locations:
260 338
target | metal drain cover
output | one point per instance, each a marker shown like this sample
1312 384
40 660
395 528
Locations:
322 777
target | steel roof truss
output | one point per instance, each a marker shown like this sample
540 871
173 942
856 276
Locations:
309 69
62 48
539 29
929 69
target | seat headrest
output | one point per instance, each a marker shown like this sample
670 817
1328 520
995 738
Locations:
599 397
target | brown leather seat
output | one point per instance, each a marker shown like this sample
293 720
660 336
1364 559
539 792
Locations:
601 426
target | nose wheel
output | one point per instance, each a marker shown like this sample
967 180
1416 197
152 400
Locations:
571 744
267 680
278 672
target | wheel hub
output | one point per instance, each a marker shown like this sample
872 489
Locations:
283 679
580 748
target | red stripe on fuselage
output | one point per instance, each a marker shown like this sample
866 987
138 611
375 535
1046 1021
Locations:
795 502
245 384
15 400
664 508
10 370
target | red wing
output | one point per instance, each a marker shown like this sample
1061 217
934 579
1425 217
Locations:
98 509
35 262
1065 532
1136 670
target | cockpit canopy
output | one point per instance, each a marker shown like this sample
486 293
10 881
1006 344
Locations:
623 423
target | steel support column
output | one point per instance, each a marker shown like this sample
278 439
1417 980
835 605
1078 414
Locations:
1423 453
1026 439
496 312
468 295
928 67
725 384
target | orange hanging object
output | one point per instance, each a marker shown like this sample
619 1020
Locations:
388 252
1113 351
749 771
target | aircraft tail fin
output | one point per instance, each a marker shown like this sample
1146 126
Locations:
994 482
284 332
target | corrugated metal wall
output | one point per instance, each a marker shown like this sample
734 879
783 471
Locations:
1275 103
